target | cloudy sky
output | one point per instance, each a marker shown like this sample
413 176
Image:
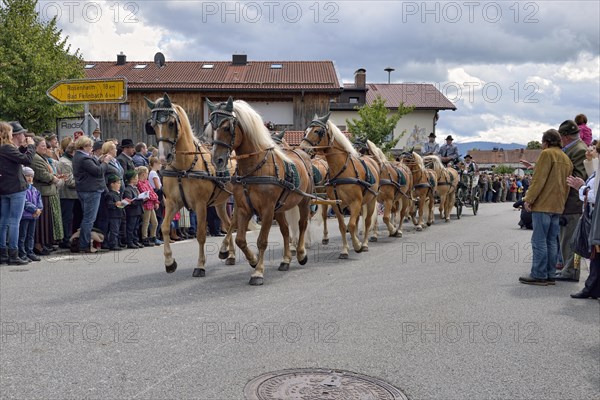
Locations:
513 69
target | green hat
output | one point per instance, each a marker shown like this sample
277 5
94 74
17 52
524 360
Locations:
113 178
130 174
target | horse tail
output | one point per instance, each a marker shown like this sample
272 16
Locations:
292 216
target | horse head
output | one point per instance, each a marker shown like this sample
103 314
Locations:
279 138
317 134
360 144
223 123
164 123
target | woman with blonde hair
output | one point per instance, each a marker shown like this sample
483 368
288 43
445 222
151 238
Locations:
15 151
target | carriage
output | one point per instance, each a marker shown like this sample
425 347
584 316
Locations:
468 193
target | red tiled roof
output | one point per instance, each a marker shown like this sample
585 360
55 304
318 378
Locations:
504 157
255 75
420 95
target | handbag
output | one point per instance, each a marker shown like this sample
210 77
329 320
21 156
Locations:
580 241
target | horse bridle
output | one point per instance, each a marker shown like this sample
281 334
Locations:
321 132
216 119
159 116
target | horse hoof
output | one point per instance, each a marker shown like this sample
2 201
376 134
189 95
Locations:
429 223
373 239
199 273
223 255
343 256
171 268
419 228
304 260
364 249
230 261
256 281
284 266
398 234
293 253
325 241
447 220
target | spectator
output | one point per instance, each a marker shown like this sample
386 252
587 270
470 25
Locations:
150 206
114 205
49 227
52 146
575 149
139 158
96 135
97 148
133 211
588 191
156 185
585 133
67 193
90 184
127 152
545 199
114 166
15 150
33 210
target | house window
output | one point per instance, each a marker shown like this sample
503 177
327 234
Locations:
353 100
341 127
124 112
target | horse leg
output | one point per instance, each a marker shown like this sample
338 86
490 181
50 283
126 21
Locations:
442 204
373 227
292 217
226 251
430 208
200 271
370 214
421 209
324 208
243 218
387 212
170 211
355 212
262 243
342 226
303 226
285 233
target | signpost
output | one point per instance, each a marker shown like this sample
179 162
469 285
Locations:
86 91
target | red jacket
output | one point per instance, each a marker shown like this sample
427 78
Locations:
144 186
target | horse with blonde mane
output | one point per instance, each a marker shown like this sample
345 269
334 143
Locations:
424 187
447 184
267 181
189 179
353 181
395 188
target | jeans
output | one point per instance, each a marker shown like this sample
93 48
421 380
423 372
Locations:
194 222
26 237
544 243
11 211
90 202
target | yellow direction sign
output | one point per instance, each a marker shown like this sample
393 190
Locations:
112 90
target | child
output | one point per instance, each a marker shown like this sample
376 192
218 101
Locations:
115 207
156 184
33 210
149 205
133 211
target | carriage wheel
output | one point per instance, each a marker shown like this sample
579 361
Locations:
476 200
460 198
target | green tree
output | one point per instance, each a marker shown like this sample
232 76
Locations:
534 144
375 125
33 56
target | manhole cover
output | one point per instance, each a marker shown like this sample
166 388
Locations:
322 384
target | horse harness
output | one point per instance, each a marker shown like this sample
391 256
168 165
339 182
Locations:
398 185
160 115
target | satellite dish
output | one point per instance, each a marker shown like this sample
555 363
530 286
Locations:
159 59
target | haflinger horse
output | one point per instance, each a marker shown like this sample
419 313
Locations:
395 190
267 181
189 179
352 180
424 187
447 182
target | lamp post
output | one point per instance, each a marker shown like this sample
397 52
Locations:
389 71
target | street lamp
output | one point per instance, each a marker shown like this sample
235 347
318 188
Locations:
389 71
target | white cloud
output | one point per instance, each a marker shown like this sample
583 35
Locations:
586 68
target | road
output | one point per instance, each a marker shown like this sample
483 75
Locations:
439 314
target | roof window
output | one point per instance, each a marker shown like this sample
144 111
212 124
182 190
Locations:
276 66
89 66
140 66
208 66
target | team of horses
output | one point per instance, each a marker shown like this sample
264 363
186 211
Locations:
274 181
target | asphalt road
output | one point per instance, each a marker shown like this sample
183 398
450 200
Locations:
439 314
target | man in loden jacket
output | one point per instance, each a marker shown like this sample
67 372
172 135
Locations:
575 149
546 200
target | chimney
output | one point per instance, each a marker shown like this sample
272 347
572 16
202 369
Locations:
239 59
360 78
121 59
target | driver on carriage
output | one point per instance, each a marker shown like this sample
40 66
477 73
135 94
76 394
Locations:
449 152
470 171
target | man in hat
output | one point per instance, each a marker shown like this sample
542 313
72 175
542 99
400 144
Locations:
575 149
431 147
18 129
449 151
97 149
96 135
126 156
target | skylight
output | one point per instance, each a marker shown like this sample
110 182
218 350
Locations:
207 66
276 66
140 66
89 66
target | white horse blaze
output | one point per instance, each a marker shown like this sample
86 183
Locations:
161 148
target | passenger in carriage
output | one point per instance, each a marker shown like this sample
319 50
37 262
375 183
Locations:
449 151
430 147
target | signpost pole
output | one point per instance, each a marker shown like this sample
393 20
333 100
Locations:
85 125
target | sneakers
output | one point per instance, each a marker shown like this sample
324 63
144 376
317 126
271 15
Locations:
529 280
